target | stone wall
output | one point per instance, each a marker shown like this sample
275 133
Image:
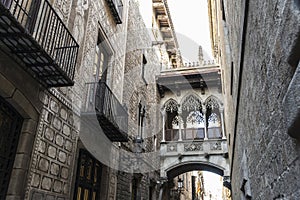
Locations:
139 87
53 158
264 48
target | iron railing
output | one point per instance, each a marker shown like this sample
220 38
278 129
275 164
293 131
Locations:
38 36
116 7
112 116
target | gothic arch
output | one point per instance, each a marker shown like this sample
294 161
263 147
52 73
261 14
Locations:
191 102
171 105
213 101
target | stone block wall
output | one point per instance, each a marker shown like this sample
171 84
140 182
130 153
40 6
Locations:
52 164
264 39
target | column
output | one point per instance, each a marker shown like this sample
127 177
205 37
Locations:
179 121
205 124
163 113
221 109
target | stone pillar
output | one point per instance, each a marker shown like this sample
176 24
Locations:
221 109
205 124
163 113
179 121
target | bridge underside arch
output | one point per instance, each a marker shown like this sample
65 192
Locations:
193 166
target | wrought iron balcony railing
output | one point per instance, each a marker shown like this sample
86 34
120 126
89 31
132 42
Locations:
112 116
116 7
32 31
102 104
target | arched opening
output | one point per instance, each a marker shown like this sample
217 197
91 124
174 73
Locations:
182 168
197 180
173 121
213 118
193 118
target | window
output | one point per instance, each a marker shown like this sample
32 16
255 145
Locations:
116 8
213 119
144 62
100 67
101 59
88 177
141 119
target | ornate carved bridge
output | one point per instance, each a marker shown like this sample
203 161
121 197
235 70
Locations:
193 130
183 156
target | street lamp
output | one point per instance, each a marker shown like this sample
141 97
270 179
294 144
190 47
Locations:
180 184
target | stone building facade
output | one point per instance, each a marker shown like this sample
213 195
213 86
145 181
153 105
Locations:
50 157
257 43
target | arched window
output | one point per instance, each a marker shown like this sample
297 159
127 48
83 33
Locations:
172 120
195 120
171 106
213 118
194 126
176 122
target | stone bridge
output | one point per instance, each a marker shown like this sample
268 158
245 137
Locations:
178 157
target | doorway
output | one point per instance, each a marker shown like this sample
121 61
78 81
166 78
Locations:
10 128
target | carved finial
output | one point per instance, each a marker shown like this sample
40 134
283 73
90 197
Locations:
200 55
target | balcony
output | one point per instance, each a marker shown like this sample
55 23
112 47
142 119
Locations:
32 32
111 115
193 134
116 7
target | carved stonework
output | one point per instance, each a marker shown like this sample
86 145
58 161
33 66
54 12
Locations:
79 23
215 146
193 147
212 103
90 37
191 103
63 9
171 106
171 147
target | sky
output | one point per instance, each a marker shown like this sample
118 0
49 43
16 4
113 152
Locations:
190 20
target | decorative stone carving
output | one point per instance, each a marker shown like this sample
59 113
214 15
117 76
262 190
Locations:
193 146
214 120
171 106
171 147
191 103
62 8
215 146
90 37
211 103
79 24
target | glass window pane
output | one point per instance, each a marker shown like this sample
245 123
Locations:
86 194
79 193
